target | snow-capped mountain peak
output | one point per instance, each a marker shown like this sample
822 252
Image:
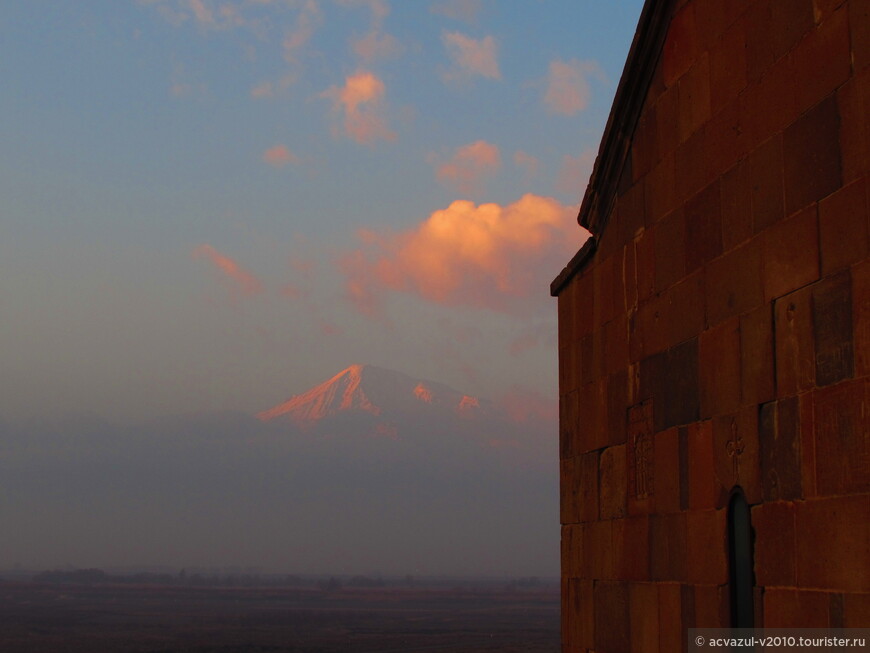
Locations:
370 389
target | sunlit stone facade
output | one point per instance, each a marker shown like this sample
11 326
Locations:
714 335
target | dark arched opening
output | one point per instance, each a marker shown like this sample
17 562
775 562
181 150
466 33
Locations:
740 578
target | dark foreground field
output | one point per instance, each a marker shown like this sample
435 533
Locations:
47 618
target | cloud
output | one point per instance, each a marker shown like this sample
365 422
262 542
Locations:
361 102
527 162
469 166
205 13
242 280
306 22
568 87
472 57
574 173
487 256
269 89
466 10
279 156
376 44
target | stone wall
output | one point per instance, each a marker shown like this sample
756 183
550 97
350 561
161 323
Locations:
720 336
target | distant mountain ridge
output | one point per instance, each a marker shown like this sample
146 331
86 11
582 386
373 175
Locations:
374 390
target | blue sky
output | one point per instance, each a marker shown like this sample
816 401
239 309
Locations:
216 204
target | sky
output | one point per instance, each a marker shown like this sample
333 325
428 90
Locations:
212 205
217 204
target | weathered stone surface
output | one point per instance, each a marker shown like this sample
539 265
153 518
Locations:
832 327
774 552
838 554
780 438
842 439
795 343
812 156
612 483
611 616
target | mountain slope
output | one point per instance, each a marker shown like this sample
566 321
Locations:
374 390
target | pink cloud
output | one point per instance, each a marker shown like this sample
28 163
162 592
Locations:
298 36
471 56
527 162
361 102
486 256
568 87
376 44
242 280
279 156
267 89
574 173
469 166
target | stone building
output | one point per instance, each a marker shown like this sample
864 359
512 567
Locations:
714 333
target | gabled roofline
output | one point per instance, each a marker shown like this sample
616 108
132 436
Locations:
640 66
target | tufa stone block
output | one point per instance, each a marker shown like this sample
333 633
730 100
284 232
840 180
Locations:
611 616
711 606
812 156
640 458
790 254
707 546
719 364
789 608
681 45
859 23
735 205
756 356
670 249
832 327
861 317
766 183
833 550
842 439
779 439
668 541
774 553
613 483
703 219
843 237
597 561
824 60
853 103
694 98
734 283
578 610
672 636
666 478
795 343
643 607
727 63
703 494
631 548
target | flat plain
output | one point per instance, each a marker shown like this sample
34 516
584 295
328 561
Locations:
123 618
